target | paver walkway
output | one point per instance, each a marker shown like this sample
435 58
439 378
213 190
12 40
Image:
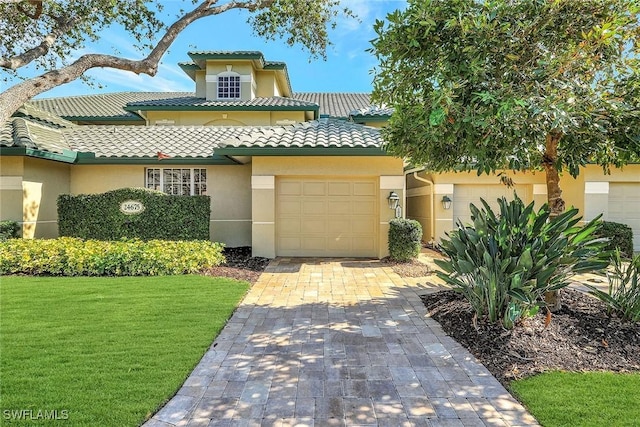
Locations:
337 343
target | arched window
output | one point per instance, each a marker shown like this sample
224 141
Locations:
229 85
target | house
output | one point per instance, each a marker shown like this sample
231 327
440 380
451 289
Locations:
290 174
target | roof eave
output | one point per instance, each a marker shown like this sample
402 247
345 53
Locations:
301 151
313 108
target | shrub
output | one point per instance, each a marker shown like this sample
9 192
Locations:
405 236
505 263
9 230
165 217
70 256
623 296
620 237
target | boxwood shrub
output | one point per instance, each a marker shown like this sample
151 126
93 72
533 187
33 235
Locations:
9 230
68 256
620 237
405 236
165 217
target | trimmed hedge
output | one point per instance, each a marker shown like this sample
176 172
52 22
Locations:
68 256
620 237
165 217
9 230
405 236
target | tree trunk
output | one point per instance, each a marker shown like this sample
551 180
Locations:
554 199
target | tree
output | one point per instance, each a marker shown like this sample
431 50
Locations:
48 33
512 84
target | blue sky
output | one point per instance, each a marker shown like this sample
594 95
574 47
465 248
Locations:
347 68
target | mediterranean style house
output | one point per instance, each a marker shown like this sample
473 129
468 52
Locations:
290 174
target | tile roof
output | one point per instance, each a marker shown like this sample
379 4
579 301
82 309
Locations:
101 106
21 132
147 141
372 111
335 104
323 133
124 141
195 102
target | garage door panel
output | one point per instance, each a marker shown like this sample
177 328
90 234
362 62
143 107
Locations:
292 225
313 225
339 207
314 207
314 243
314 188
338 224
364 189
339 188
290 207
290 243
290 189
329 217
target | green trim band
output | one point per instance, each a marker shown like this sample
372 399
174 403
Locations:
377 118
314 108
66 156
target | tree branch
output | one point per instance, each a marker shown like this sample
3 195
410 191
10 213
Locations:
12 98
25 58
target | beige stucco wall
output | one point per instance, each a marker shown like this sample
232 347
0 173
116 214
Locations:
43 181
229 187
573 192
11 170
266 169
231 118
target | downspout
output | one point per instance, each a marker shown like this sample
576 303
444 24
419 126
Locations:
431 195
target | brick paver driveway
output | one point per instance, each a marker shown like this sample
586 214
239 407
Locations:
337 342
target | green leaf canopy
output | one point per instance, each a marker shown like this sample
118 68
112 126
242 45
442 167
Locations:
485 84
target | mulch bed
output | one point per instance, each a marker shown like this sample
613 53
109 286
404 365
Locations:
240 265
580 337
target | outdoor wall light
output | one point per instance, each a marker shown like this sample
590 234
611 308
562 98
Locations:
446 202
393 200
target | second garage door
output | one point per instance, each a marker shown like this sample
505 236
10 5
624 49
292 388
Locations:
624 207
327 217
466 194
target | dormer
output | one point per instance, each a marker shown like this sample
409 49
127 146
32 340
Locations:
236 76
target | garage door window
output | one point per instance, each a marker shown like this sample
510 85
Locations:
181 182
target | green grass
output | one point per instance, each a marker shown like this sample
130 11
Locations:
582 399
109 351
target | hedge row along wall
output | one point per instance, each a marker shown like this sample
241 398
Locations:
99 216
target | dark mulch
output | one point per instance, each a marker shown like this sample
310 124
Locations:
580 337
240 265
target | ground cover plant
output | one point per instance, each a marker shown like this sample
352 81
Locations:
108 351
68 256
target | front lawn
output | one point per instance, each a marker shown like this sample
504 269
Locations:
590 399
104 351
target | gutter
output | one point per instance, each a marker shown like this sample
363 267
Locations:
415 172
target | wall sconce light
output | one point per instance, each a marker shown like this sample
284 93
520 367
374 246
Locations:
393 200
446 202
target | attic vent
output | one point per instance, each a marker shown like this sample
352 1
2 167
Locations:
164 122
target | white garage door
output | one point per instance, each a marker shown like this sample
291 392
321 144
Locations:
466 194
327 217
624 207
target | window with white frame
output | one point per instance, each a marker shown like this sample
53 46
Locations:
229 86
182 182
